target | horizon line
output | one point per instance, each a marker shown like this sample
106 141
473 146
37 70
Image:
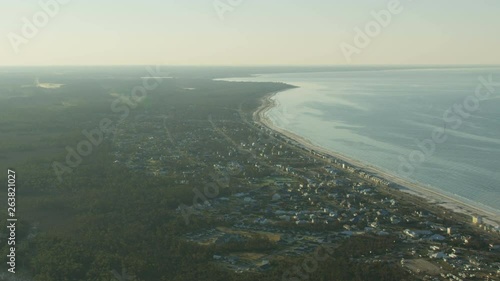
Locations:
255 65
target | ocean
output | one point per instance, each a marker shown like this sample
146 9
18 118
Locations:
439 127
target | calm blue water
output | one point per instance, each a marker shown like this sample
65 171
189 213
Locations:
380 116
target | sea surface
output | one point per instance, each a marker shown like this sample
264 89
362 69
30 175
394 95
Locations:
439 127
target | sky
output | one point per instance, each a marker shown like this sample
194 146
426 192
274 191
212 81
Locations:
249 32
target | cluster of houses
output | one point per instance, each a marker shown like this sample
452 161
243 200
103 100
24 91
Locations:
275 188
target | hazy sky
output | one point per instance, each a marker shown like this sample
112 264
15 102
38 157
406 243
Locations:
253 32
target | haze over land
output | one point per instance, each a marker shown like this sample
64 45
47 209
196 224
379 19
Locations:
363 143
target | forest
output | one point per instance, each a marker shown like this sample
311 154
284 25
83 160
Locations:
106 222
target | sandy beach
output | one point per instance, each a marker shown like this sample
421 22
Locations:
490 217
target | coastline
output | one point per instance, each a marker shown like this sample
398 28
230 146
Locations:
411 189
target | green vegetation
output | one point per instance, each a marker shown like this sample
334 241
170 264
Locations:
106 217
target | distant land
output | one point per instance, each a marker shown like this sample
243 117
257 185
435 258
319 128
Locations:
163 173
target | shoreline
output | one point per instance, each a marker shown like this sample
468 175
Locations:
490 217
